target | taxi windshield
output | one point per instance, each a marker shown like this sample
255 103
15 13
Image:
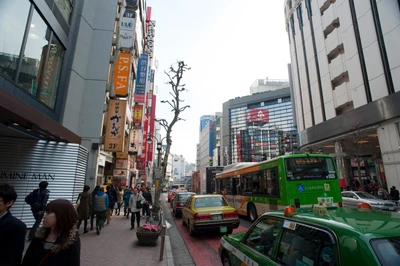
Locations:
365 195
387 250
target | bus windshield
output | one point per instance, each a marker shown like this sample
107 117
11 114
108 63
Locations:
310 168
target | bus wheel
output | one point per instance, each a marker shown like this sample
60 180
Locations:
251 212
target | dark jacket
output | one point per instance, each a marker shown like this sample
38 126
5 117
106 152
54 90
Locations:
84 208
11 249
42 199
127 196
147 196
112 197
62 254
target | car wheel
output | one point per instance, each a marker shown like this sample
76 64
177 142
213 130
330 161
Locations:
230 230
251 212
225 259
176 215
183 222
191 231
173 210
169 200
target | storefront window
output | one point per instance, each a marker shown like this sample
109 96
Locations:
41 66
65 7
14 15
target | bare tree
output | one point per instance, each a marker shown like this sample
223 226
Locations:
175 75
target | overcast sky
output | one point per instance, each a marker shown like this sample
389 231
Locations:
227 43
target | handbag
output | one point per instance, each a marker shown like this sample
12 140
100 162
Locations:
139 205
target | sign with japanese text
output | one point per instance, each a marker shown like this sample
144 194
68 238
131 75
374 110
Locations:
121 74
119 173
121 164
115 134
127 30
134 140
150 151
137 116
124 153
141 78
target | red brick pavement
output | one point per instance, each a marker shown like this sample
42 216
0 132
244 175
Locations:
117 245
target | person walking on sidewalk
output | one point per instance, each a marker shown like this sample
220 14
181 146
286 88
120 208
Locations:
12 230
146 205
56 242
84 208
100 206
38 207
135 204
127 195
119 201
92 212
112 197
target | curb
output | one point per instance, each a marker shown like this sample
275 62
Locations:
168 251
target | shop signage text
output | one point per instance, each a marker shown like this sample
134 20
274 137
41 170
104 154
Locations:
115 126
27 175
121 74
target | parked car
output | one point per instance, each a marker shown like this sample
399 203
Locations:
209 212
326 236
352 198
179 201
174 193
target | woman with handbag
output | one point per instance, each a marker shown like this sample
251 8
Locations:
56 242
135 205
84 208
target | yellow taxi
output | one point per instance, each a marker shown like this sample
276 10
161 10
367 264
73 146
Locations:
209 212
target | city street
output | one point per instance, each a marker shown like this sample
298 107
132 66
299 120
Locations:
203 249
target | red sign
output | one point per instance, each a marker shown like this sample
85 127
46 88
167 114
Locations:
151 121
137 116
257 116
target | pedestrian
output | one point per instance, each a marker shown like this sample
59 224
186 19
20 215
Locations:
146 205
56 242
119 201
394 194
12 230
100 206
92 212
84 208
135 204
127 195
39 205
382 193
112 197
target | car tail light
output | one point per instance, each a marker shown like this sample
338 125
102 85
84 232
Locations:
179 205
202 217
340 204
231 215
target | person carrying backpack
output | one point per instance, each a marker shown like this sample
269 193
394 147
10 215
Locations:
37 199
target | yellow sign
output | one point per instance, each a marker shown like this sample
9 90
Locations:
121 74
124 153
115 132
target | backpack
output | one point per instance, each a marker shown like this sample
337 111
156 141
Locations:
32 197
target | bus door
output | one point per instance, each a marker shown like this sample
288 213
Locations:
237 197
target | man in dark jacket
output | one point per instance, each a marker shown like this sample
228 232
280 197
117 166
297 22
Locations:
394 194
127 195
38 208
12 230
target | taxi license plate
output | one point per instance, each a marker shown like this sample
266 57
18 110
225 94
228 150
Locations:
216 217
391 208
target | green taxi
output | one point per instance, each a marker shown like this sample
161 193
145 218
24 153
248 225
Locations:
318 236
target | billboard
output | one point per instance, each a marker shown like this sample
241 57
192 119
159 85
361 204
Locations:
114 140
127 30
141 78
137 116
134 140
257 116
122 71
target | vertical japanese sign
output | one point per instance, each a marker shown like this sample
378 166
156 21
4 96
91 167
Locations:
124 153
143 157
121 74
151 121
127 30
132 4
149 41
134 140
137 116
141 78
115 126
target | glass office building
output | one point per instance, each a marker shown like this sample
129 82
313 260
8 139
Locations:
260 127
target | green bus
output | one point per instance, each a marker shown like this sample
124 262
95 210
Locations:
295 179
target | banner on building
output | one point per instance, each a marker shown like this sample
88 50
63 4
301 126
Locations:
121 74
124 153
137 116
127 30
121 164
141 78
151 122
134 140
114 140
257 116
121 173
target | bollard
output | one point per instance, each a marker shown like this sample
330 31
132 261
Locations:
162 242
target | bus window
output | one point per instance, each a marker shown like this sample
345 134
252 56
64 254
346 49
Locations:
272 182
310 168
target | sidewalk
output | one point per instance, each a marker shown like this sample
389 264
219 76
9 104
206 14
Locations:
117 245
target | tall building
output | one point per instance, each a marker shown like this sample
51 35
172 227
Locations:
64 116
346 82
207 140
258 127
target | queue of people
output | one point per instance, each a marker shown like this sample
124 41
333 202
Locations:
57 241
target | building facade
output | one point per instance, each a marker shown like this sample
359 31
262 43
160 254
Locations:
258 127
346 82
